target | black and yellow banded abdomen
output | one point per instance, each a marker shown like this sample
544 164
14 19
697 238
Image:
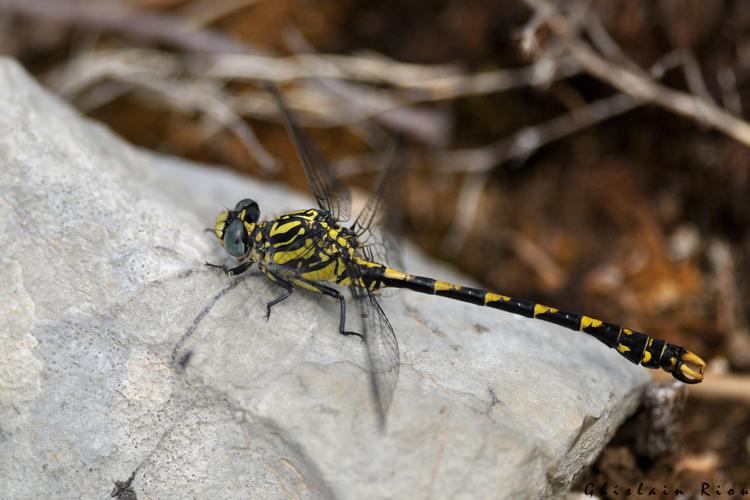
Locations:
636 347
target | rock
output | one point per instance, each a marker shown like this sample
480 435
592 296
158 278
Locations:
102 255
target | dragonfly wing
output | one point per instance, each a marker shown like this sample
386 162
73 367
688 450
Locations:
382 353
329 192
383 250
381 344
380 252
378 225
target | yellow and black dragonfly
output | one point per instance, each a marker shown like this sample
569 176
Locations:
312 249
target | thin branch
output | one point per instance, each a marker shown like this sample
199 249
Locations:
361 163
154 74
360 99
529 139
417 82
522 144
550 275
387 106
425 83
729 312
467 206
480 161
693 76
428 126
603 41
717 387
201 13
117 18
730 96
100 95
669 61
166 29
637 83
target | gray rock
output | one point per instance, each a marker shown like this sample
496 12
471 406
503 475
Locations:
101 263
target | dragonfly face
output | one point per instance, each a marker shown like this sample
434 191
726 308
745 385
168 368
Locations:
235 228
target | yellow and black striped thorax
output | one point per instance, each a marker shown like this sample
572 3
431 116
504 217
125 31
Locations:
307 244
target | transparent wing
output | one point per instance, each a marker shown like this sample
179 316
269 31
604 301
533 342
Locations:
385 251
380 252
329 192
378 225
382 353
382 347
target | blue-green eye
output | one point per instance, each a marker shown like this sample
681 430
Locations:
233 239
252 210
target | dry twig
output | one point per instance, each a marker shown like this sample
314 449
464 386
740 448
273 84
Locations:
477 162
202 13
424 83
730 95
728 305
717 386
117 18
410 83
179 34
636 82
638 87
529 139
693 76
155 72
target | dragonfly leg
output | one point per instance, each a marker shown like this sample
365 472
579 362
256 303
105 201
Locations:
332 292
288 291
232 271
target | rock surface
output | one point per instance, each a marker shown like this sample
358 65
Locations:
101 270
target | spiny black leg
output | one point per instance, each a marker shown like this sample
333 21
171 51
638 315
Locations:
217 266
288 291
232 271
332 292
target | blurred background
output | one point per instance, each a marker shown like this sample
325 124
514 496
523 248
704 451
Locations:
590 155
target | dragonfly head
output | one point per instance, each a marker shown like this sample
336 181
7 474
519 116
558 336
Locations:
234 227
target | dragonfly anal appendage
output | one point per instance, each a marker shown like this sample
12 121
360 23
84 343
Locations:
689 367
684 365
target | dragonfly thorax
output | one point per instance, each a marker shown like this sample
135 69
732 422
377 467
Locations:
303 239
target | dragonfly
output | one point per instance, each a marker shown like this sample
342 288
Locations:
315 250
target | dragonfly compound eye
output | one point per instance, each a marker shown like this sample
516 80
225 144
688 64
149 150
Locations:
234 239
251 208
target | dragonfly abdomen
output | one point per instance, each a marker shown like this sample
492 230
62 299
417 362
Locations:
636 347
